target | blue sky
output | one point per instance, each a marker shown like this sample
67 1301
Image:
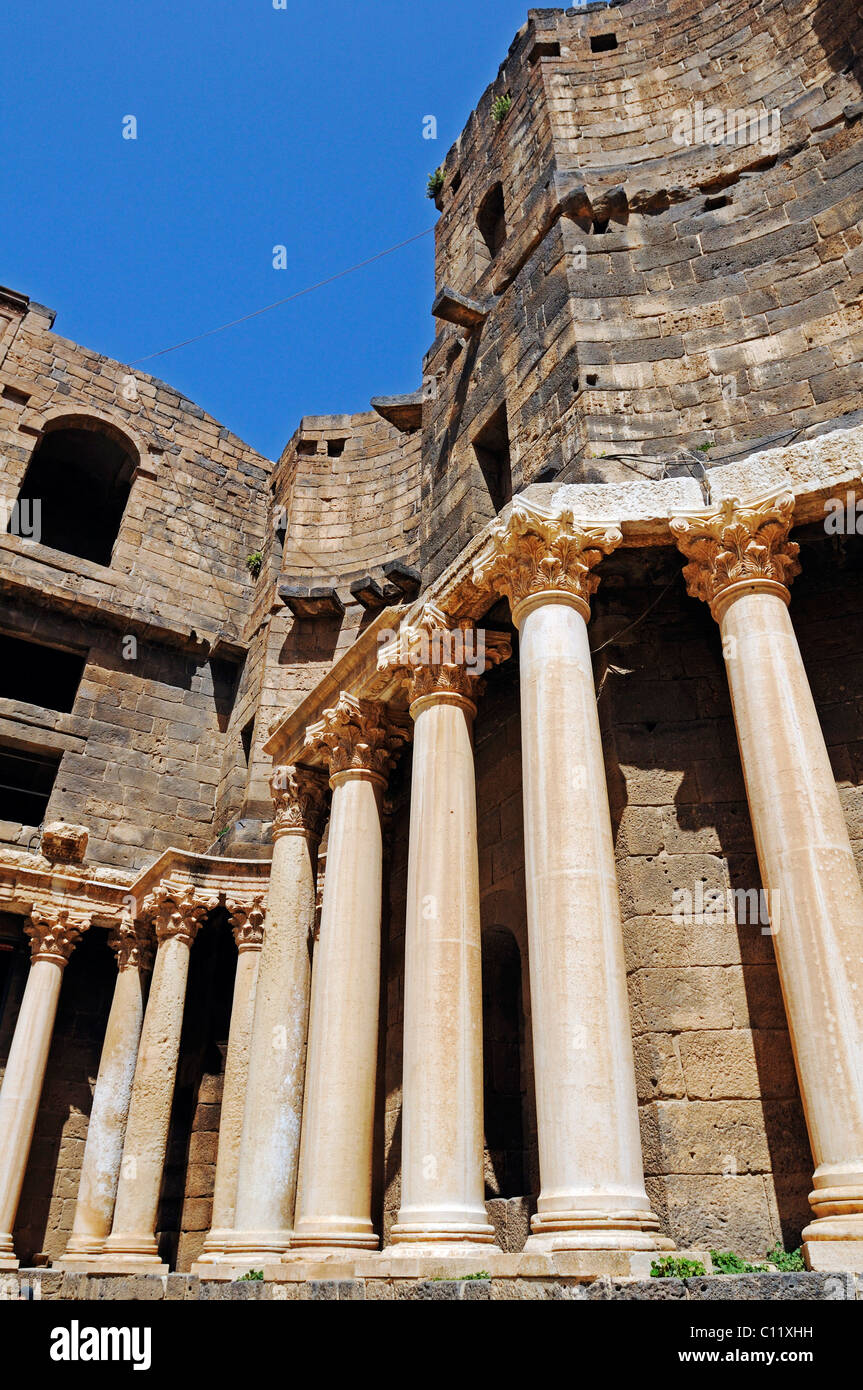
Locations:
256 127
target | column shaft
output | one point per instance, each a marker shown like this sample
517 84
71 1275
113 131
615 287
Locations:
100 1168
269 1149
53 933
248 936
442 1117
335 1187
807 866
587 1112
133 1234
22 1088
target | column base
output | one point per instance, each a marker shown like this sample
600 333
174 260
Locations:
835 1242
596 1229
8 1258
127 1254
79 1252
249 1249
439 1237
834 1256
312 1244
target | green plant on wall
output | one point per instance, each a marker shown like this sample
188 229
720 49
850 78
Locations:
786 1261
254 563
671 1268
435 183
500 108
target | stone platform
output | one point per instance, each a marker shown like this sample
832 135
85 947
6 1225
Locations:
145 1288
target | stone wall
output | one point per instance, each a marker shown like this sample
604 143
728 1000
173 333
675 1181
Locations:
655 302
172 1287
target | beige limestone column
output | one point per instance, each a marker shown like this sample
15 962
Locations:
269 1149
132 1242
100 1169
741 563
592 1184
248 929
442 1201
53 933
358 739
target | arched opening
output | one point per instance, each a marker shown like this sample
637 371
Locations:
77 484
491 223
503 1035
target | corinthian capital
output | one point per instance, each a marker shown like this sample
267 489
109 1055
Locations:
53 932
175 914
357 735
542 550
247 923
132 943
738 544
300 800
434 658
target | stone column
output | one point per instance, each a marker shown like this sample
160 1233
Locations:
592 1183
741 563
248 929
442 1203
132 1242
100 1169
269 1149
53 933
358 739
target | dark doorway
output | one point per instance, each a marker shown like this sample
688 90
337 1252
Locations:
503 1031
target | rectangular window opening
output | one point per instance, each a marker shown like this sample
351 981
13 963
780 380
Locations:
26 783
543 50
247 735
39 675
491 447
602 43
336 447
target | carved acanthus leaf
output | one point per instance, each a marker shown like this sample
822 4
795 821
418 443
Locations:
53 932
543 549
435 657
737 543
300 801
358 734
132 942
247 923
176 914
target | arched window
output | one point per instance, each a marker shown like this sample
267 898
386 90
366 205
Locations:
80 475
491 224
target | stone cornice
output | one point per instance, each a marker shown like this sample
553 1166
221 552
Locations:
738 544
542 550
239 880
813 471
357 735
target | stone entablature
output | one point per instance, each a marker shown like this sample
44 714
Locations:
809 473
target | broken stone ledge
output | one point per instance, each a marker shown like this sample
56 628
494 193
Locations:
60 1286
